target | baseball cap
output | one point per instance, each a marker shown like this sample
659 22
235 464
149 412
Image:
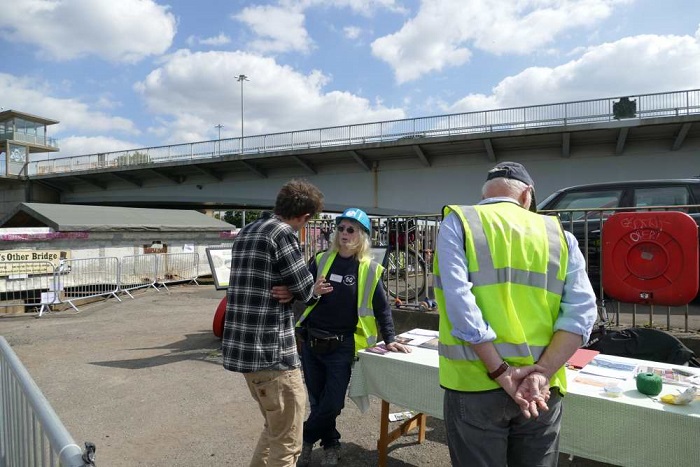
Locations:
515 171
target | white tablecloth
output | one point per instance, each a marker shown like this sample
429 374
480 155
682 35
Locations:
633 429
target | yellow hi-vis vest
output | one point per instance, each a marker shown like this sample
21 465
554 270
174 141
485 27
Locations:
368 275
517 263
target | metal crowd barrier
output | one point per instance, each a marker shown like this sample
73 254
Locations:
27 283
31 434
177 267
81 279
137 272
587 226
41 284
403 245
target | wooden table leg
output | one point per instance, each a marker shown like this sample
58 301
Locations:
383 442
386 437
422 419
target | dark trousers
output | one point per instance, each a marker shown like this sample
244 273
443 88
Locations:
327 378
486 429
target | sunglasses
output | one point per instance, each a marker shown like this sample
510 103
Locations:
349 229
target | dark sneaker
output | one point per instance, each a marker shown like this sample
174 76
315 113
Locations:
331 455
305 457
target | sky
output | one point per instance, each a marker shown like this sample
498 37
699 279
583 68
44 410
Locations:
126 74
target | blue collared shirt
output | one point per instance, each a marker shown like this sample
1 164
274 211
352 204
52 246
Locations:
577 312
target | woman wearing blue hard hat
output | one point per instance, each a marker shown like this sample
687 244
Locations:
348 311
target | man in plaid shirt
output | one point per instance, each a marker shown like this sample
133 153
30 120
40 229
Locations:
267 272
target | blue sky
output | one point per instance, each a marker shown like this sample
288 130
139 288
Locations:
134 73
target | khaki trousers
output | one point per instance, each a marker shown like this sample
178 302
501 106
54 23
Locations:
282 400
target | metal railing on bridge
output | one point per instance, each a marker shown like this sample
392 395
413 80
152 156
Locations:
564 114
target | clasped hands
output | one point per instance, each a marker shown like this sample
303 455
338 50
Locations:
529 388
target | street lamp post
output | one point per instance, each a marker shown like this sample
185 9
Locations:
241 78
219 127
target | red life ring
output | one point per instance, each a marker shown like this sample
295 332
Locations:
651 257
219 318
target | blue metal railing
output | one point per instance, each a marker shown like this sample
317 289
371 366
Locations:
517 118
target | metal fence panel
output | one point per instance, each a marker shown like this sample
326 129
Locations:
137 272
31 434
587 226
177 267
88 278
403 245
27 284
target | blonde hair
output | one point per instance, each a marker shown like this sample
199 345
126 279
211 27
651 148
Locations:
361 245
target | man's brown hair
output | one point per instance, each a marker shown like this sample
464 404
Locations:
298 197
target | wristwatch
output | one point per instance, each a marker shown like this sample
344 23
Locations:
499 371
315 297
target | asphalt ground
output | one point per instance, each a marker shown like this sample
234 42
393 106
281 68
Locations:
142 379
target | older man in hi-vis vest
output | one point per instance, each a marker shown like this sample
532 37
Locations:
515 303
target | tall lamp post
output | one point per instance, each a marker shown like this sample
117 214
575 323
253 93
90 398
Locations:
240 79
218 144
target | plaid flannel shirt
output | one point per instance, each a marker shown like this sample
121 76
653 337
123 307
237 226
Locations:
259 331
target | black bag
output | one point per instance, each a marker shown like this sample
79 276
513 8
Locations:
644 344
323 342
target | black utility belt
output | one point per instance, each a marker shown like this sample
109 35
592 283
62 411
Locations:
320 341
321 335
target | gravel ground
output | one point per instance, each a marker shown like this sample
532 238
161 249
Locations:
143 380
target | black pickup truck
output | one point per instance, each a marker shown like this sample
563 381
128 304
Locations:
584 208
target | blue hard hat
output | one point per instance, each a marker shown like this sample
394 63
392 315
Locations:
356 214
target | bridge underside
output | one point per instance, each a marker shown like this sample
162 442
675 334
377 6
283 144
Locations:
415 175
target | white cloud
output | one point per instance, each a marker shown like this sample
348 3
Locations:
352 32
639 65
195 91
443 31
279 29
118 31
215 41
221 39
32 96
364 7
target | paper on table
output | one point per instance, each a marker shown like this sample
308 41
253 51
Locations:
416 336
610 367
672 375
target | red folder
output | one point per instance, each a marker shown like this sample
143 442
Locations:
582 357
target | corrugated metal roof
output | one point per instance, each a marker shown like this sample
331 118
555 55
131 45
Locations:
82 218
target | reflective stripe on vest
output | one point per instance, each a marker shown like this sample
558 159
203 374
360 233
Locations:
488 274
505 350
